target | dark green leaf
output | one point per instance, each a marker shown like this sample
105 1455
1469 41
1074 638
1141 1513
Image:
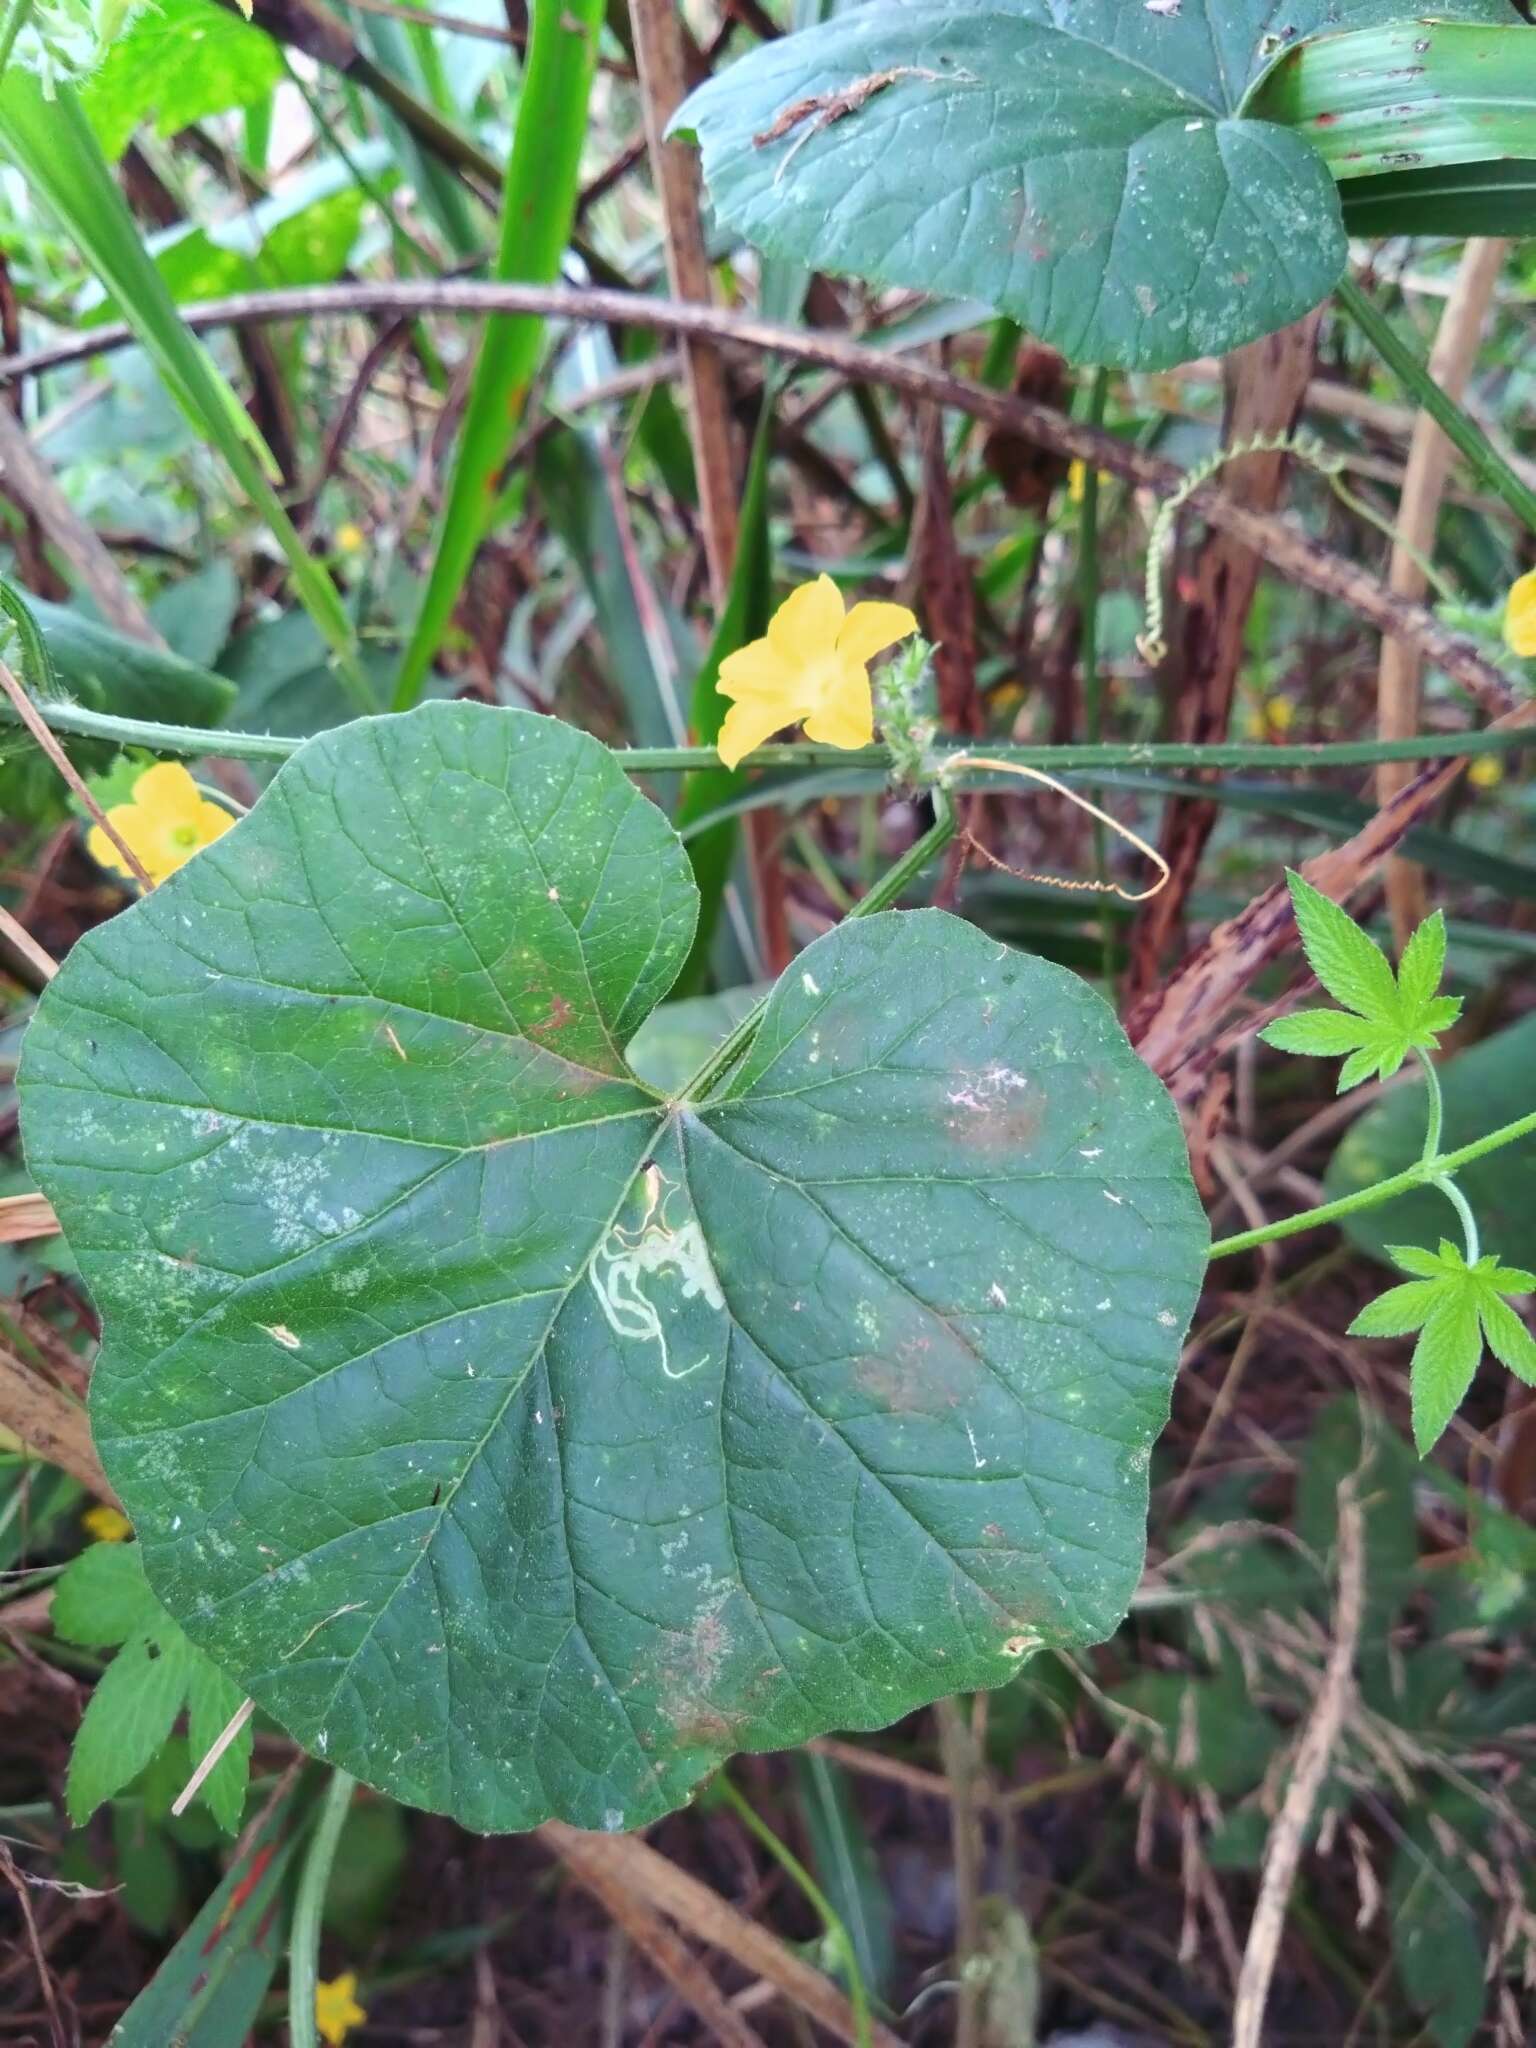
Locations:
1087 166
526 1441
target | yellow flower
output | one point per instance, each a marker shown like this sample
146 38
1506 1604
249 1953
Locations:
813 668
1271 718
106 1524
1077 480
168 820
1520 617
1486 772
349 538
337 2011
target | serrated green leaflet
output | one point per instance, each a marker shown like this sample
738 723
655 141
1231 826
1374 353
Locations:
1090 167
103 1600
526 1441
1389 1015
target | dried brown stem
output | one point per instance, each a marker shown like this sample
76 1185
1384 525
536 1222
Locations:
644 1872
585 1858
33 1409
1400 680
33 720
1282 1855
33 485
1283 546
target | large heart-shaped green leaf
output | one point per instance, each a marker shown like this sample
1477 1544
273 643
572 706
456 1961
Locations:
1086 166
524 1440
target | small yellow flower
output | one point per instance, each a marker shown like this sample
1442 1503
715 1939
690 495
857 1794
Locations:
1275 718
350 539
1077 480
813 668
1520 617
106 1524
1486 772
337 2011
168 820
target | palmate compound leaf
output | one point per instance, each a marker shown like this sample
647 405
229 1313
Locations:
526 1442
1088 166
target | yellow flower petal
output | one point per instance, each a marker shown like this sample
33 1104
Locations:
760 672
748 724
1486 772
846 715
805 627
1520 617
337 2011
212 822
106 1524
167 822
168 791
870 628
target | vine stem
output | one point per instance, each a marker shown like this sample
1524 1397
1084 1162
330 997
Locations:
831 1919
308 1904
1433 1139
195 742
1431 1172
1455 422
887 890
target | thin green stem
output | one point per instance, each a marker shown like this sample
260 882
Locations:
1436 1108
888 890
198 741
308 1904
1427 1173
821 1905
1433 1139
1457 424
11 26
538 212
1463 1208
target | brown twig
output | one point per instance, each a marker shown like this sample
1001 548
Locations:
1178 1030
18 1884
1284 547
643 1872
52 1425
22 943
1282 1855
583 1856
33 720
962 1766
1400 680
24 1217
33 484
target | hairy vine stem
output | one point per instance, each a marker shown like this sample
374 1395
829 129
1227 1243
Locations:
157 737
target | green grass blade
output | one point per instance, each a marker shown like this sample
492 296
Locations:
55 147
749 601
538 210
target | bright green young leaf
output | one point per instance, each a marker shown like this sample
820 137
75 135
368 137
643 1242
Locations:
1484 1087
526 1440
1090 167
175 63
103 1600
1393 1014
1456 1308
